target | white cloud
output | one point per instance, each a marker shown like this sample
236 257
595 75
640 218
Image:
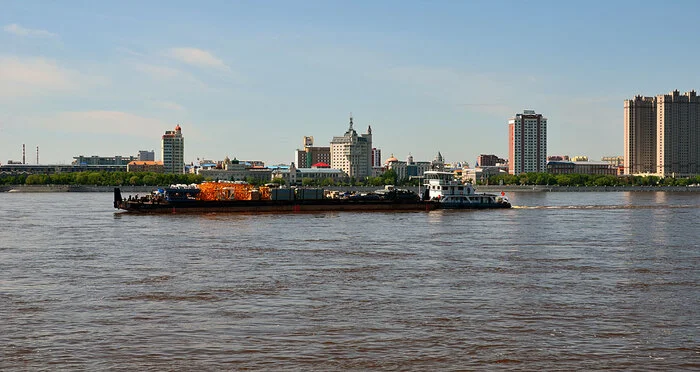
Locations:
158 72
168 105
197 57
21 77
166 73
130 52
21 31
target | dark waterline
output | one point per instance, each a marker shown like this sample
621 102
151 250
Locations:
581 281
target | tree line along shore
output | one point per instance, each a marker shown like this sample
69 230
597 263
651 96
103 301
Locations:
145 181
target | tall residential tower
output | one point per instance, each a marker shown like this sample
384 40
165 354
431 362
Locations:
662 135
678 134
640 135
527 143
173 151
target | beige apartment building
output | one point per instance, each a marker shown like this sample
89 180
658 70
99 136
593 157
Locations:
352 153
678 134
640 135
173 151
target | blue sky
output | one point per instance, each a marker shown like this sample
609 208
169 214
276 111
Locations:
248 79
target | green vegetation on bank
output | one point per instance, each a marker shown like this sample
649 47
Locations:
101 179
388 178
589 180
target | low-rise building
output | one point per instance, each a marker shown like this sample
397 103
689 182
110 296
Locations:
103 160
481 174
17 169
405 170
581 167
145 166
235 170
294 176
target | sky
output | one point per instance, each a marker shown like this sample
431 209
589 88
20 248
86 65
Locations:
249 79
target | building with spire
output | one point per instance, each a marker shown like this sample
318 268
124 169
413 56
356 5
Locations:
438 163
352 153
173 151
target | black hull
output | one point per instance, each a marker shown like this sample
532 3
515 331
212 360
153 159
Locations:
288 206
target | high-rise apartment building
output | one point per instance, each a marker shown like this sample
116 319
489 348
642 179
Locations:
173 151
640 135
527 143
678 134
353 153
662 135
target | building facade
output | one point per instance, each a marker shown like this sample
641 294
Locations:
145 166
662 135
678 134
19 169
352 153
405 170
145 155
102 160
235 170
173 151
489 160
294 176
640 135
582 167
311 154
376 157
527 143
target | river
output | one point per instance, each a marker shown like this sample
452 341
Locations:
562 281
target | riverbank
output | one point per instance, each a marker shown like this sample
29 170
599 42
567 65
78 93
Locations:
546 188
74 188
480 188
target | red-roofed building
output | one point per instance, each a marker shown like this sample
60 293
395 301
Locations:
321 165
145 166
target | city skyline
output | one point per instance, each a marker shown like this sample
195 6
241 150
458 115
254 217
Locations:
248 79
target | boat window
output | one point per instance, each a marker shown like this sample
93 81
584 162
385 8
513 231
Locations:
444 187
460 188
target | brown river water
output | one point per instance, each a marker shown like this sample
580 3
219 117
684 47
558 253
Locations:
563 281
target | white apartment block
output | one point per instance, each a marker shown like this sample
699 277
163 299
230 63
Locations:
173 151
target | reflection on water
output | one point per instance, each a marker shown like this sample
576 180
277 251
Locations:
580 281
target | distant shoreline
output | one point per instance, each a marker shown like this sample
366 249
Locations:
480 188
74 188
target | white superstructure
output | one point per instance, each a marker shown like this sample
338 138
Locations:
451 193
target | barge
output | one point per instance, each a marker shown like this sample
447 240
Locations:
240 197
